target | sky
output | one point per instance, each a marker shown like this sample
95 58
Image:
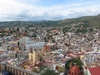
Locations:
37 10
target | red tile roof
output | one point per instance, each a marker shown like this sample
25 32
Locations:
46 48
95 70
75 69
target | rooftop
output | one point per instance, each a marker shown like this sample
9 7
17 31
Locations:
95 70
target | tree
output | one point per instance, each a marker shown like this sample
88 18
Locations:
44 70
67 44
48 71
74 60
2 35
18 29
53 40
91 29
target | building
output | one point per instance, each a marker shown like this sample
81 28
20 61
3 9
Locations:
25 44
22 42
20 55
46 48
92 70
12 55
3 57
33 55
74 70
91 63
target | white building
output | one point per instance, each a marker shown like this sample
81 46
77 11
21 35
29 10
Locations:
34 45
22 42
3 57
25 43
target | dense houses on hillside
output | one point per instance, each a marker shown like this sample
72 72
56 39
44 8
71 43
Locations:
51 47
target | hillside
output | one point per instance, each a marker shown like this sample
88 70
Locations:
28 23
93 21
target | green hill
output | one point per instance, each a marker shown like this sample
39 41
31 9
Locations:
93 21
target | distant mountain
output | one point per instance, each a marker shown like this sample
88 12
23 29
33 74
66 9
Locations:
15 23
93 21
28 23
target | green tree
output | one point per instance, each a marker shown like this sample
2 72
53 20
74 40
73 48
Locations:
74 60
44 70
2 35
53 40
49 72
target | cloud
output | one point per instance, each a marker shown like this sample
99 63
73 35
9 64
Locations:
11 10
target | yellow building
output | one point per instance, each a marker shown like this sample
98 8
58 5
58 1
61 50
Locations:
33 55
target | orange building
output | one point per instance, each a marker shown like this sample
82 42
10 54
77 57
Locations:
74 70
46 48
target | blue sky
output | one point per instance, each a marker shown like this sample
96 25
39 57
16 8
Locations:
33 10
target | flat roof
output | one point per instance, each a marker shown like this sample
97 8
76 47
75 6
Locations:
95 70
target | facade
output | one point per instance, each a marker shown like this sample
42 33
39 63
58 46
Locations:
22 43
34 45
74 70
25 44
3 57
12 55
92 71
91 64
33 56
20 55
